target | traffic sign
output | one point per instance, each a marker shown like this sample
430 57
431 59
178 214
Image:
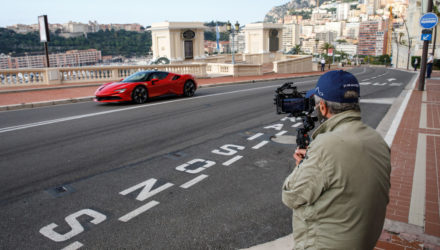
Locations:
429 20
426 37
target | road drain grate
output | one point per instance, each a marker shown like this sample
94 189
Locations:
60 190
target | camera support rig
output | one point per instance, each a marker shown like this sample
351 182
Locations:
289 100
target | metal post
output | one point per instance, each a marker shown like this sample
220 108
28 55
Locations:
47 54
233 57
424 57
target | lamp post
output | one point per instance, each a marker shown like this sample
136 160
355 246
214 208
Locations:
232 31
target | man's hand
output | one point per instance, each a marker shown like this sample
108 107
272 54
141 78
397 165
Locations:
299 155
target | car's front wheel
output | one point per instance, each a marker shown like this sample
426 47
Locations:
189 89
139 95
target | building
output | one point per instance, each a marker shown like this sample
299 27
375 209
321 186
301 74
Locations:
238 42
337 27
342 11
178 41
74 27
70 58
290 36
351 30
312 46
350 49
328 37
371 38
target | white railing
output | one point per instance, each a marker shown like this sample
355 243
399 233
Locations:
293 64
71 75
75 75
22 77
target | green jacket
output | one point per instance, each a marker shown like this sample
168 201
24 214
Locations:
339 192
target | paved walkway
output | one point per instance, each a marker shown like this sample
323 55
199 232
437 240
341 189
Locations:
413 220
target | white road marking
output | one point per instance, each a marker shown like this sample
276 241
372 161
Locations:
76 117
75 245
37 124
396 121
194 181
396 84
391 79
281 133
260 145
255 136
278 126
364 83
231 161
138 211
379 84
379 101
147 189
296 125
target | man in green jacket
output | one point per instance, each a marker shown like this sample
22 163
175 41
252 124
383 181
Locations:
339 189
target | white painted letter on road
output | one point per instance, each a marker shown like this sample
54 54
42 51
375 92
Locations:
278 126
146 191
228 149
184 166
73 222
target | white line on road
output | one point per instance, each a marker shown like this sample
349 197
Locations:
76 117
260 145
388 101
70 118
281 133
75 245
296 125
231 161
138 211
255 136
194 181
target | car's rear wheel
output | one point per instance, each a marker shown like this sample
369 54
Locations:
139 95
189 89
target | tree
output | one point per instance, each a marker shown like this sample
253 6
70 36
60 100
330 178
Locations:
327 47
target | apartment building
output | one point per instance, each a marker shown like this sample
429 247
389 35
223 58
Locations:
290 36
70 58
371 38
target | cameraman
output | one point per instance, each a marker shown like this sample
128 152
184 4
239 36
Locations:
339 189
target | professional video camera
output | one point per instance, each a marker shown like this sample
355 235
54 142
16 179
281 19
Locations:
289 100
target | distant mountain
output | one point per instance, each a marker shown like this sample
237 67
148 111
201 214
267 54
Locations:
279 12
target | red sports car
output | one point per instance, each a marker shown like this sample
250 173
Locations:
146 84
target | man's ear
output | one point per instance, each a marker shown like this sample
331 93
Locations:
323 108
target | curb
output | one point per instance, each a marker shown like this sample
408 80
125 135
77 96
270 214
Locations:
49 88
90 98
45 103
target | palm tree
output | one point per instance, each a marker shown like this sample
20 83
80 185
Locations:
297 49
326 47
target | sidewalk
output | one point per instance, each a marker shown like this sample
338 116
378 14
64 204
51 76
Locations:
413 220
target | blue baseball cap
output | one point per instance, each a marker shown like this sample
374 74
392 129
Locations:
332 87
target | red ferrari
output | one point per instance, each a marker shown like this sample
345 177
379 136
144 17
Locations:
146 84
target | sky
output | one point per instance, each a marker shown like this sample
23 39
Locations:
143 12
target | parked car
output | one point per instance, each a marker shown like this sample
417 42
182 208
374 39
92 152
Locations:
142 85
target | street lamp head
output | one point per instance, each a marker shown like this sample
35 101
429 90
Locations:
228 26
237 26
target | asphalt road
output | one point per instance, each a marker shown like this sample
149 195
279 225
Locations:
175 173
